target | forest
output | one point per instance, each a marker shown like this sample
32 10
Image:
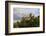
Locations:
31 21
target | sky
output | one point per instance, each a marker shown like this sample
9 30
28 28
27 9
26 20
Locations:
19 12
35 11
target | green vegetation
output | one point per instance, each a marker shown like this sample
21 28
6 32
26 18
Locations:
30 21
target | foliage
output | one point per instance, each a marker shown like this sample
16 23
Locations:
30 21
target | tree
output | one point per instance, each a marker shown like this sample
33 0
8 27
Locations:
30 15
32 22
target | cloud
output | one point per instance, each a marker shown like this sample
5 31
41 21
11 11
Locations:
19 12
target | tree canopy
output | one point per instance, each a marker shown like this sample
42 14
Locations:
31 21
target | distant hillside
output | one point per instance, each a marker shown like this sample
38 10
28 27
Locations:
16 17
19 16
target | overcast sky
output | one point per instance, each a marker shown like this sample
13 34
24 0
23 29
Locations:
35 11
